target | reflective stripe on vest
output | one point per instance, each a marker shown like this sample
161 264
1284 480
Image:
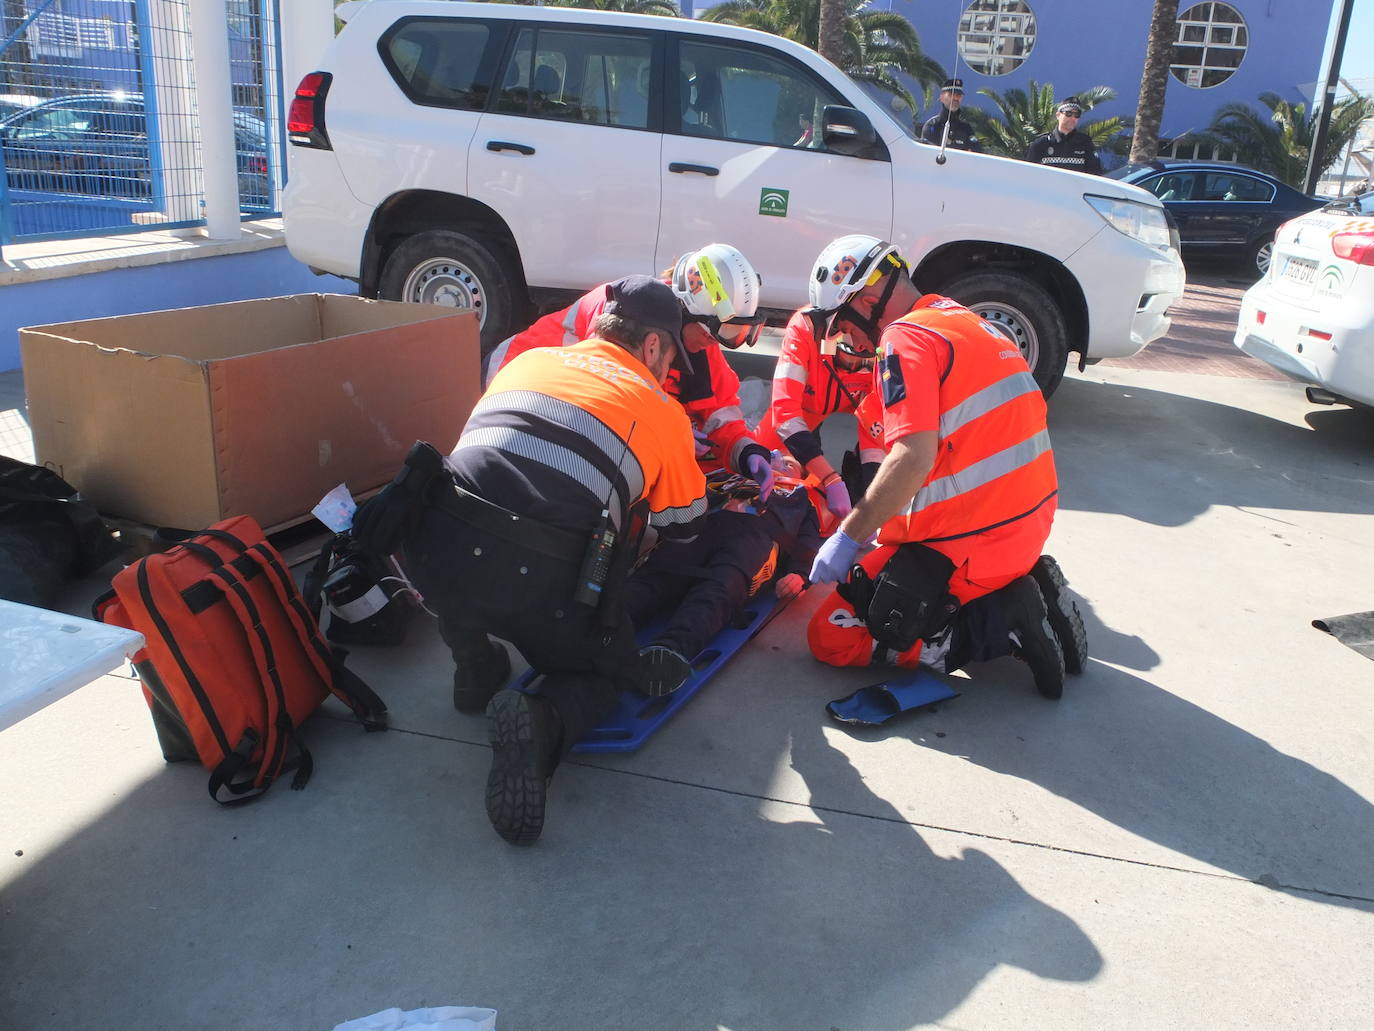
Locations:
994 462
722 415
992 396
980 474
679 514
561 413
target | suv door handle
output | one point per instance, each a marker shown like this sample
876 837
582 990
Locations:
678 166
504 145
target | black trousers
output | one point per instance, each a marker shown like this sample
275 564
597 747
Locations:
480 584
703 583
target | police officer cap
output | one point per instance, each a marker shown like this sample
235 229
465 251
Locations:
650 303
1069 106
953 86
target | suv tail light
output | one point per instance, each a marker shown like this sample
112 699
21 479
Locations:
1356 247
305 120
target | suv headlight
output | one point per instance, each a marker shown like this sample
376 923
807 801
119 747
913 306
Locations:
1143 222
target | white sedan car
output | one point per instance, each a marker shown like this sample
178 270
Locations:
1312 315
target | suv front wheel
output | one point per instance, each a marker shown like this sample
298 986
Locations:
449 268
1025 313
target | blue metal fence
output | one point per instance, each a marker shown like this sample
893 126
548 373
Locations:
98 124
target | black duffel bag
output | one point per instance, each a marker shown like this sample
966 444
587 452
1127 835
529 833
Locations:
48 533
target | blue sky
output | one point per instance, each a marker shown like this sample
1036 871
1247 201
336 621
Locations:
1358 62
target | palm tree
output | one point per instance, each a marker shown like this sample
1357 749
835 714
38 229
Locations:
1022 115
830 31
1281 141
875 45
1154 80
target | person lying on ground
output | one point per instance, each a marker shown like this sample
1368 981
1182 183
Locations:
702 585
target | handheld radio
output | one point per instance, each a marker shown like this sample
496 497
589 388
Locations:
596 563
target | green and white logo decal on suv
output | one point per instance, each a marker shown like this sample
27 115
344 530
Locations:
773 202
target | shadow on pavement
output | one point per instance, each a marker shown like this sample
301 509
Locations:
1166 458
954 920
1112 645
1166 770
649 903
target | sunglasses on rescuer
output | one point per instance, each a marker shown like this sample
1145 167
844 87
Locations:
733 333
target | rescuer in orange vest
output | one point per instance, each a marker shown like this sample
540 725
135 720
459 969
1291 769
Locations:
719 291
528 530
815 377
964 498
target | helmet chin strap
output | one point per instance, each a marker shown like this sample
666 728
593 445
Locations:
870 325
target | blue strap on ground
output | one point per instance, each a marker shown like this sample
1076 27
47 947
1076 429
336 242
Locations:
875 704
635 717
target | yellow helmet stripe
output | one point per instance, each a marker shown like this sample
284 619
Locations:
715 289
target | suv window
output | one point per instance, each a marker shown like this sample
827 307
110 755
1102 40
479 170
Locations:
438 61
599 78
739 94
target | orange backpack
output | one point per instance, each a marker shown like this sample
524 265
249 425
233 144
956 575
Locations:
234 660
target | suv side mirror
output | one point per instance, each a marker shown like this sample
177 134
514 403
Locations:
847 130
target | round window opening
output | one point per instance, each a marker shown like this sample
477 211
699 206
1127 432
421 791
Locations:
996 36
1211 44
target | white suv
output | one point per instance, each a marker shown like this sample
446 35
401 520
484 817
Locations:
495 156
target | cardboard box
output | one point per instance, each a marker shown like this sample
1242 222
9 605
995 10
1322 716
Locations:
182 418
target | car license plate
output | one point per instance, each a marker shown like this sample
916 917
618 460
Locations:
1299 270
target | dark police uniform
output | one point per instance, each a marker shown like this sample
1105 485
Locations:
1074 151
961 135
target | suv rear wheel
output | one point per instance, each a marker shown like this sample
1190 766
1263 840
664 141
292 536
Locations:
1022 310
445 267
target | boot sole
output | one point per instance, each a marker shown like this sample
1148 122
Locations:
664 674
517 786
1047 668
1065 619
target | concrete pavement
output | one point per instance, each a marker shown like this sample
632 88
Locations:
1183 842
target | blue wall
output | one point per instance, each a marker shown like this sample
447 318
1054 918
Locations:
1082 43
177 284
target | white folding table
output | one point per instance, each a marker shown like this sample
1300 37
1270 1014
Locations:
47 655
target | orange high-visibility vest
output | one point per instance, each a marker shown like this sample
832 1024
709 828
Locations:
994 464
581 427
711 398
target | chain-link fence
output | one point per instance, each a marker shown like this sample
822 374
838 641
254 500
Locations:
98 124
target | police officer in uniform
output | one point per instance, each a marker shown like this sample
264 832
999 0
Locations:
1066 147
960 132
565 443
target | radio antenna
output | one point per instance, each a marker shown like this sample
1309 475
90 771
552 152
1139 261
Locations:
944 136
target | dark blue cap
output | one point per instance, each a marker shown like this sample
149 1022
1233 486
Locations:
650 303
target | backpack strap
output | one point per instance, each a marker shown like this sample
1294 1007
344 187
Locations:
281 731
347 686
313 588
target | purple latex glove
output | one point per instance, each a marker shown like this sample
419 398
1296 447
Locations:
703 442
835 559
837 499
762 474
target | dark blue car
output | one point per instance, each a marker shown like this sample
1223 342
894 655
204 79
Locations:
1222 211
96 144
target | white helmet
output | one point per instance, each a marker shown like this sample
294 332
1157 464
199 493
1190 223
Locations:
846 266
718 282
